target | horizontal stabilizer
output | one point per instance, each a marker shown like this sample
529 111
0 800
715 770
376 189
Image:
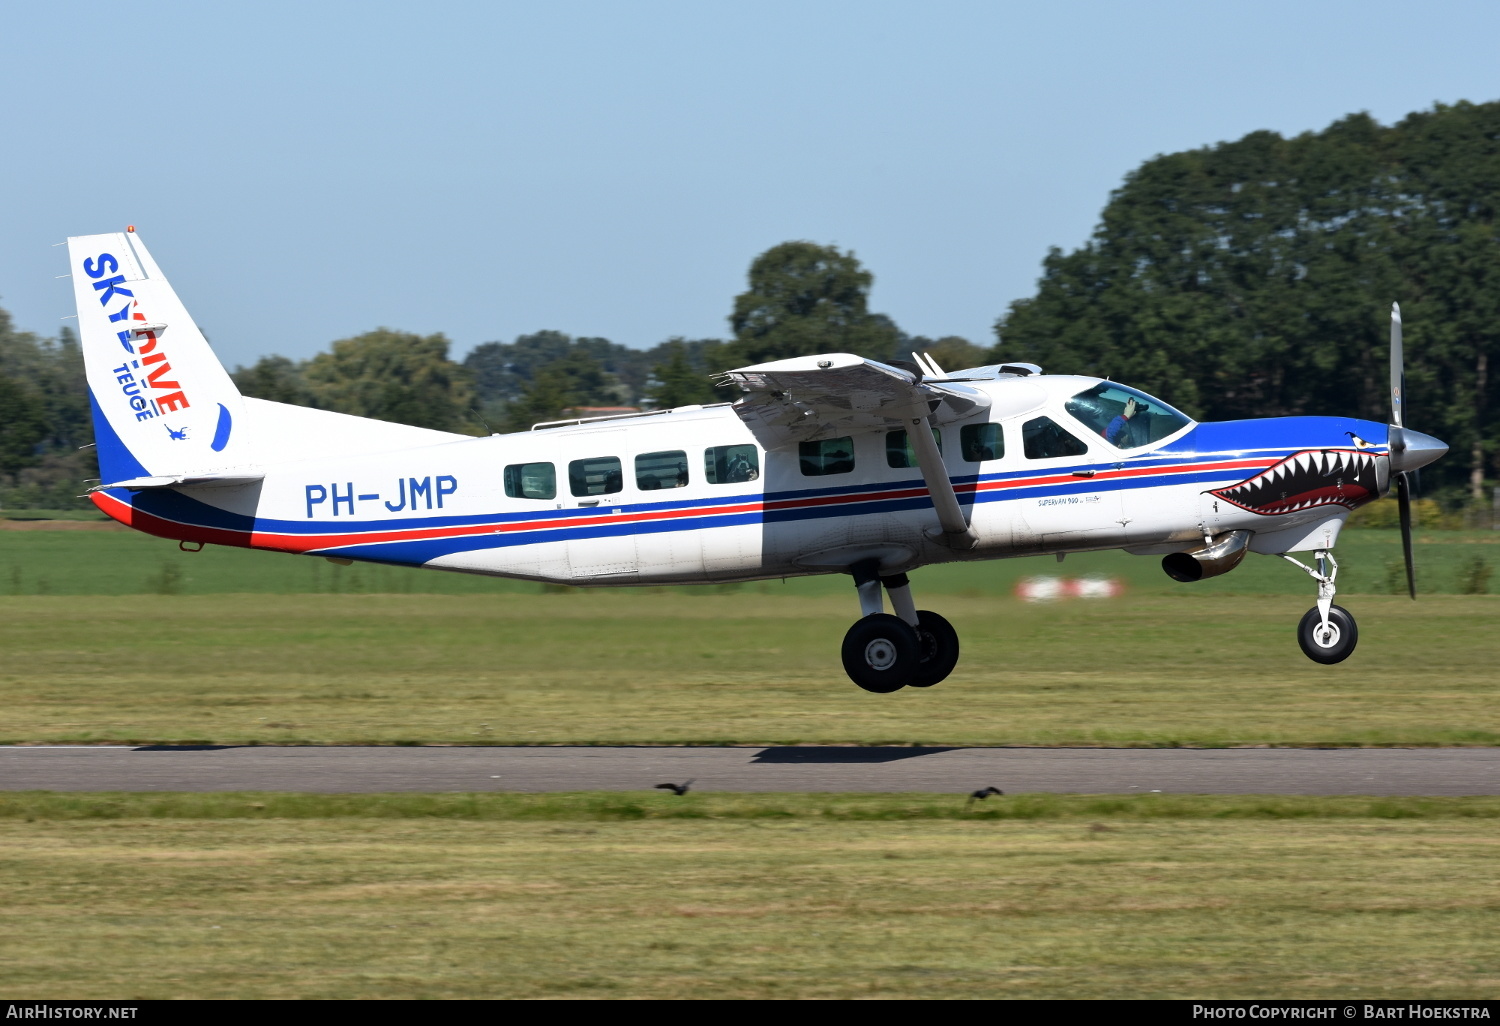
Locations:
811 397
141 484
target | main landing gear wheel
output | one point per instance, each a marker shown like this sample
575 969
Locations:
1330 644
881 653
938 643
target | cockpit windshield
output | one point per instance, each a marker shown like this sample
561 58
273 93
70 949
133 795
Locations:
1124 417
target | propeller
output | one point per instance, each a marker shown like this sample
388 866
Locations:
1397 437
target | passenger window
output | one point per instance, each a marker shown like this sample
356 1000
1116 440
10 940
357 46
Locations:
531 481
731 464
898 450
655 470
599 475
1044 440
830 456
981 442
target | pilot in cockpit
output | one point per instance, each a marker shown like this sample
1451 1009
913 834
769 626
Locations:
1118 431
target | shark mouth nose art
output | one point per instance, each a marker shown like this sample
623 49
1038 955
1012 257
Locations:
1320 477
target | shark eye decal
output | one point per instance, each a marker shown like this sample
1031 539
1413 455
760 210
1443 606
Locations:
1320 477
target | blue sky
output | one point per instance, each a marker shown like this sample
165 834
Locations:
307 171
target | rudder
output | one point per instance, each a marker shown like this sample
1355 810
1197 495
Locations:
162 402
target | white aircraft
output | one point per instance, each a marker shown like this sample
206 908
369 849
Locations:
828 464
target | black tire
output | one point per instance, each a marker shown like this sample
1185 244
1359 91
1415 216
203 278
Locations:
938 649
1330 650
881 653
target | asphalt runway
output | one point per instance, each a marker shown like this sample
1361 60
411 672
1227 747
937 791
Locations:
1367 771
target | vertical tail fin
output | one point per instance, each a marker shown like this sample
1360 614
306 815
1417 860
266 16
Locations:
163 403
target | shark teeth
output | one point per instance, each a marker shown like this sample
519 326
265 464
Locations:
1313 477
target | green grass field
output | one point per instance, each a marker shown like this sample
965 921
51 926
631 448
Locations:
744 667
462 896
108 562
115 637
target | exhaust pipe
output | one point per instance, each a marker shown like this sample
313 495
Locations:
1219 558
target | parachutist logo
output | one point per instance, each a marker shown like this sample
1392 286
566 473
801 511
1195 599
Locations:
180 435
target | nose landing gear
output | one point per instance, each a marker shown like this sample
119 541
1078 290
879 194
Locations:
884 653
1327 632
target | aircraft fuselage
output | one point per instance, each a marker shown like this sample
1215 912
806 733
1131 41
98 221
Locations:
446 506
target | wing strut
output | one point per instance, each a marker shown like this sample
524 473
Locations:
953 531
822 396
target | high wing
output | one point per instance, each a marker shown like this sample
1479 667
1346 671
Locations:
811 397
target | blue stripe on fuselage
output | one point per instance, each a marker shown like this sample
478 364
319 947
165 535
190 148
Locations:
1205 443
1293 434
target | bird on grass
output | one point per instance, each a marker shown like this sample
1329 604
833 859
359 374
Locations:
677 789
981 795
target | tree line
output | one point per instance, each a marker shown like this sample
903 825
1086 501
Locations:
1252 278
45 423
801 298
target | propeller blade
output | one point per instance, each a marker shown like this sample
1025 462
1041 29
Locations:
1398 369
1397 434
1403 499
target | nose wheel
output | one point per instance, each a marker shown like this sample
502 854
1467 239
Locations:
884 653
1327 633
1328 641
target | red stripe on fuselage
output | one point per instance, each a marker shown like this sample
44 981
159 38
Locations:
287 542
1122 473
150 523
311 543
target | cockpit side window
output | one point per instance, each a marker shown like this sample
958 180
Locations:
1124 417
1044 439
